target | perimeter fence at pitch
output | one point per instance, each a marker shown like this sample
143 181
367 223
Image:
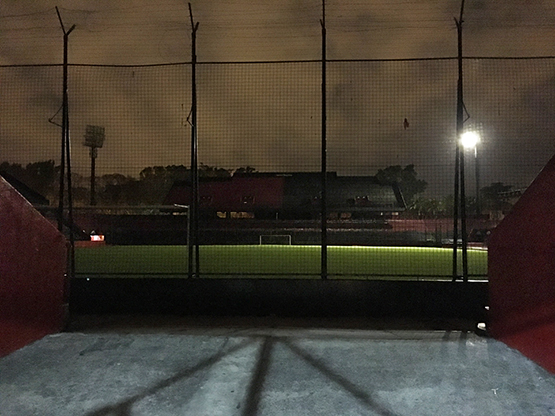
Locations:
390 159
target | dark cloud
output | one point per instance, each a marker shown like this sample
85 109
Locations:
268 115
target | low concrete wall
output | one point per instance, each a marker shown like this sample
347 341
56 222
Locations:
280 297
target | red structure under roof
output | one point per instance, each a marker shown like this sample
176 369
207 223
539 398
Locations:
239 193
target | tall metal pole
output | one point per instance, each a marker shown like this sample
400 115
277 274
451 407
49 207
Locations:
66 159
65 123
460 203
65 127
477 166
65 148
323 199
194 255
456 205
93 175
61 191
63 142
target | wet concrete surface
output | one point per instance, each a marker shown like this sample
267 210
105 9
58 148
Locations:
153 365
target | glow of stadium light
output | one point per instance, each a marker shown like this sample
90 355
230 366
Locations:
470 140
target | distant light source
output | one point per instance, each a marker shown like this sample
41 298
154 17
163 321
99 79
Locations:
470 140
96 237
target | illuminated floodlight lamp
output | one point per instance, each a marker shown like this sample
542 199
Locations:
470 139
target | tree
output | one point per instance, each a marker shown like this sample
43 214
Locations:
244 170
14 169
206 171
494 197
406 178
155 182
39 176
42 176
428 207
116 189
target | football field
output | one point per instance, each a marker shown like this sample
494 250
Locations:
277 261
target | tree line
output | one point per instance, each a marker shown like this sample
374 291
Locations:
154 182
150 188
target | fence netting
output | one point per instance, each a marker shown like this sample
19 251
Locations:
390 152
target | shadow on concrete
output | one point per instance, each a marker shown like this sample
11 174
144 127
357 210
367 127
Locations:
340 381
256 385
124 408
257 380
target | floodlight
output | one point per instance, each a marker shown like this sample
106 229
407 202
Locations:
94 136
470 140
94 139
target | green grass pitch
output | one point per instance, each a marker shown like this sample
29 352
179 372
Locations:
277 261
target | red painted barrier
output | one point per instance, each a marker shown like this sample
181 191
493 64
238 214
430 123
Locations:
33 258
521 269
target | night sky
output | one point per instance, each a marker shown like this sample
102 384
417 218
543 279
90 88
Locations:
268 115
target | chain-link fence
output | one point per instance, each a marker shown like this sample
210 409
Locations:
390 133
353 180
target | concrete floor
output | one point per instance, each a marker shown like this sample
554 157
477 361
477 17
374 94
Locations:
154 370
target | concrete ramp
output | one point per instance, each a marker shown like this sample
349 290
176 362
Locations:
33 258
240 370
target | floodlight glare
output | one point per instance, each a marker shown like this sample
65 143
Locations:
470 140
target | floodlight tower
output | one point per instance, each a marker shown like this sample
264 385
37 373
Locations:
94 139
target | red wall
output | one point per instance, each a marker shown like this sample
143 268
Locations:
33 257
521 271
227 194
